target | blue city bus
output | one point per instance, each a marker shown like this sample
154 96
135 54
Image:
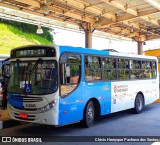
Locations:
60 85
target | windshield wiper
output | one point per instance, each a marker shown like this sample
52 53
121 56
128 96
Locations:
17 61
29 72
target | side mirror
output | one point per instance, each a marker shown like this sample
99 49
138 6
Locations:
6 68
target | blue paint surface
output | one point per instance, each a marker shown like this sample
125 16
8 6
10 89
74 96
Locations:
15 100
69 109
101 91
72 111
82 50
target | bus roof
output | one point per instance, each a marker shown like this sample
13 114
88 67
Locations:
89 51
102 52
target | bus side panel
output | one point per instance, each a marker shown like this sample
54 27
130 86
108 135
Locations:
147 91
150 89
124 94
100 91
71 107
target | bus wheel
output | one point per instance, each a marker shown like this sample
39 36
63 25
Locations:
139 104
89 115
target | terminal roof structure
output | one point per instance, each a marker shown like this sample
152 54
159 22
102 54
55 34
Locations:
135 19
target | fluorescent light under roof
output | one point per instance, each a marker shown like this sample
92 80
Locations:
154 3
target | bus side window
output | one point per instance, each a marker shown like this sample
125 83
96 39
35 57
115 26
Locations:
123 69
93 69
109 69
146 66
154 69
135 69
70 73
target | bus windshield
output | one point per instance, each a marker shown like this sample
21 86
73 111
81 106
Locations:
40 75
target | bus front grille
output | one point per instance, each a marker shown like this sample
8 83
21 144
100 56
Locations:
25 98
26 109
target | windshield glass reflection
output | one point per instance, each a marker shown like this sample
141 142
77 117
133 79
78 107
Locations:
40 76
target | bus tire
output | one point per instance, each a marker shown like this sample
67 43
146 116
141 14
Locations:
139 104
89 114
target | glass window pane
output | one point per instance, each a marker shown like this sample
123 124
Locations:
136 74
123 63
146 65
154 65
147 74
92 62
109 75
72 58
70 73
123 74
75 73
109 63
92 74
41 75
135 64
63 58
154 74
66 89
88 75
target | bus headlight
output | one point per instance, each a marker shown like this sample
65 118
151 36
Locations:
47 107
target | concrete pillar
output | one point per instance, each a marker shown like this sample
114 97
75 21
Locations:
140 48
88 34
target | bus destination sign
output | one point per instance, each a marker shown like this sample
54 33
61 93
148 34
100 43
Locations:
31 53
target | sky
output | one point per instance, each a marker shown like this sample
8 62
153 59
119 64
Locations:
77 39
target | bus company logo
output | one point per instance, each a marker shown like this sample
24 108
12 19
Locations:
6 139
115 89
121 88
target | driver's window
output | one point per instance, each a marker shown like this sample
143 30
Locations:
70 72
5 70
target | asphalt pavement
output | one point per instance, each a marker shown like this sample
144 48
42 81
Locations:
124 124
117 125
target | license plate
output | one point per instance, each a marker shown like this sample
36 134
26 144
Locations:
23 115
